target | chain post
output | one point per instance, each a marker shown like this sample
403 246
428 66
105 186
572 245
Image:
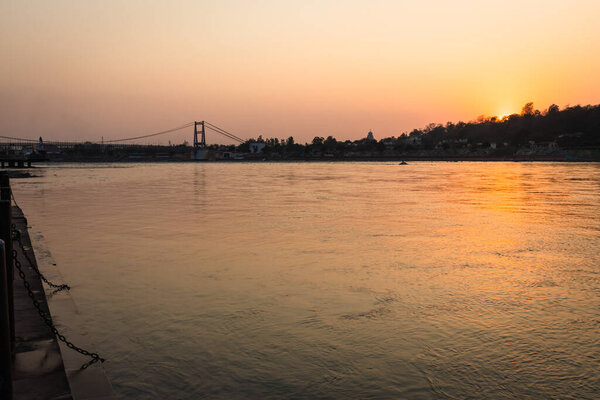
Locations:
17 236
8 232
48 319
5 331
6 235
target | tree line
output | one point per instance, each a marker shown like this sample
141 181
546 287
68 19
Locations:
571 127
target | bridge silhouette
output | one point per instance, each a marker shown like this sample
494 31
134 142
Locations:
200 129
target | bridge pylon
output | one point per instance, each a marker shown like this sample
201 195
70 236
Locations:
199 144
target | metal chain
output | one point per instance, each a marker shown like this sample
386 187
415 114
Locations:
17 236
46 317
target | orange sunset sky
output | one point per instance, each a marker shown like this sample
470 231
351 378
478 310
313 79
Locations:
81 70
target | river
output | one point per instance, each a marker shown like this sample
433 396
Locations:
432 280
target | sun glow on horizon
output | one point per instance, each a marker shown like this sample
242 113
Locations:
118 69
503 114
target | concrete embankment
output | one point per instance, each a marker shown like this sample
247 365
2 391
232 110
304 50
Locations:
38 370
42 365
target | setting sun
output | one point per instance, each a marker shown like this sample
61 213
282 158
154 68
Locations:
503 114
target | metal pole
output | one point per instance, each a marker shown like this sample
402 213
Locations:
6 235
5 331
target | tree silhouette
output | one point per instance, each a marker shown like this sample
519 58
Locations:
528 109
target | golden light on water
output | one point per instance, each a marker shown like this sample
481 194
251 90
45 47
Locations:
469 275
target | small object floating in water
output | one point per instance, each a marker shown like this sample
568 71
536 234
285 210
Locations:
403 163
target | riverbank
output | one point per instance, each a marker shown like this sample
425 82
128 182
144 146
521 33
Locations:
44 367
39 371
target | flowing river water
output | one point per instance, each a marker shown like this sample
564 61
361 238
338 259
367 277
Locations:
432 280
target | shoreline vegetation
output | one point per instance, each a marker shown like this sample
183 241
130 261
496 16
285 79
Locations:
570 134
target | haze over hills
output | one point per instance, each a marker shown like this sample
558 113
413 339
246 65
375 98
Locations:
572 133
77 70
572 126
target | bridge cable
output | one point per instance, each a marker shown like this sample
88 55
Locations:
20 139
189 124
223 132
235 139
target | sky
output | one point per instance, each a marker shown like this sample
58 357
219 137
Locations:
87 70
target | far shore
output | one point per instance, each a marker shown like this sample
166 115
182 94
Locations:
29 172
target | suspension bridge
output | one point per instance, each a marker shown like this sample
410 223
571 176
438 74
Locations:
199 137
18 151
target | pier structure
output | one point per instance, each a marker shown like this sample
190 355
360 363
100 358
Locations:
17 160
20 154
